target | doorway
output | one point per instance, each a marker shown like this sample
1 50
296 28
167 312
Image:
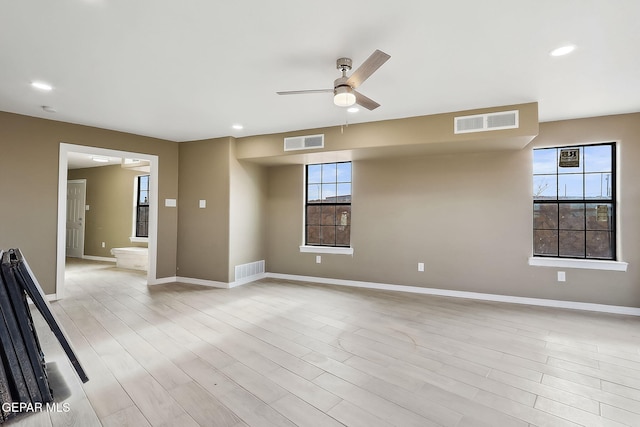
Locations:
65 149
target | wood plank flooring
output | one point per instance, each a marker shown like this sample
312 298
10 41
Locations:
280 353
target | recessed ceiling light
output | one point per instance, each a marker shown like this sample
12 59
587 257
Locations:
237 127
42 86
563 50
353 109
100 159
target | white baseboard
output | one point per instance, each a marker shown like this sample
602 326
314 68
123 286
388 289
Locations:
210 283
615 309
201 282
98 258
163 281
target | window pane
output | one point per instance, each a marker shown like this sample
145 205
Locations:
545 216
571 243
314 174
144 198
313 215
600 216
597 158
566 154
144 182
597 185
570 187
313 235
344 172
328 215
545 187
313 193
328 235
142 221
574 205
328 210
329 193
545 161
344 193
329 173
545 242
343 215
343 235
572 216
599 244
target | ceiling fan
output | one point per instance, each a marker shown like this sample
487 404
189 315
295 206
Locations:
344 93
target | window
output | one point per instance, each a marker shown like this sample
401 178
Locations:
328 205
574 202
142 206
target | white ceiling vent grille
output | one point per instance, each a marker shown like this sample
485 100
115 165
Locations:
485 122
304 142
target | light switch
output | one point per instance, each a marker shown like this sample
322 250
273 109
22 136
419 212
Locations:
203 204
170 203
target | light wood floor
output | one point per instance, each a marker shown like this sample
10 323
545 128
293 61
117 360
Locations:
278 353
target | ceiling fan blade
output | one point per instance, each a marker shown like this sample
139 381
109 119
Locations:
299 92
367 68
367 103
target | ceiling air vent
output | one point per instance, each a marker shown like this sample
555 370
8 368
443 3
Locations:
485 122
304 142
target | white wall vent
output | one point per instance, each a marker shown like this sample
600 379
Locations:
304 142
251 269
485 122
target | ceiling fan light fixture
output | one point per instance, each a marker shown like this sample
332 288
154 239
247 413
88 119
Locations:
343 96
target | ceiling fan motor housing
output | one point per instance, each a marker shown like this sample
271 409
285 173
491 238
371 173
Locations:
344 64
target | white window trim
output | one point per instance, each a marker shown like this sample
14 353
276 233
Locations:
337 250
588 264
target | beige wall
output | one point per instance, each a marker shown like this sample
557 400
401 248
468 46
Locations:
29 176
230 230
203 234
410 136
467 216
110 216
247 220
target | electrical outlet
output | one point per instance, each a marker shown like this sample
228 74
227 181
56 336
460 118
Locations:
562 277
421 266
318 259
103 245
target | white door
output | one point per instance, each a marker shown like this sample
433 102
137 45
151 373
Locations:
76 193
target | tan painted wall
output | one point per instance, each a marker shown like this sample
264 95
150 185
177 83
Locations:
247 220
203 234
466 216
29 176
110 215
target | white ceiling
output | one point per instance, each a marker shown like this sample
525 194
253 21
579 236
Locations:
188 70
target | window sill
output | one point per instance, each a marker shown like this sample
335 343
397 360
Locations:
139 239
326 250
589 264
